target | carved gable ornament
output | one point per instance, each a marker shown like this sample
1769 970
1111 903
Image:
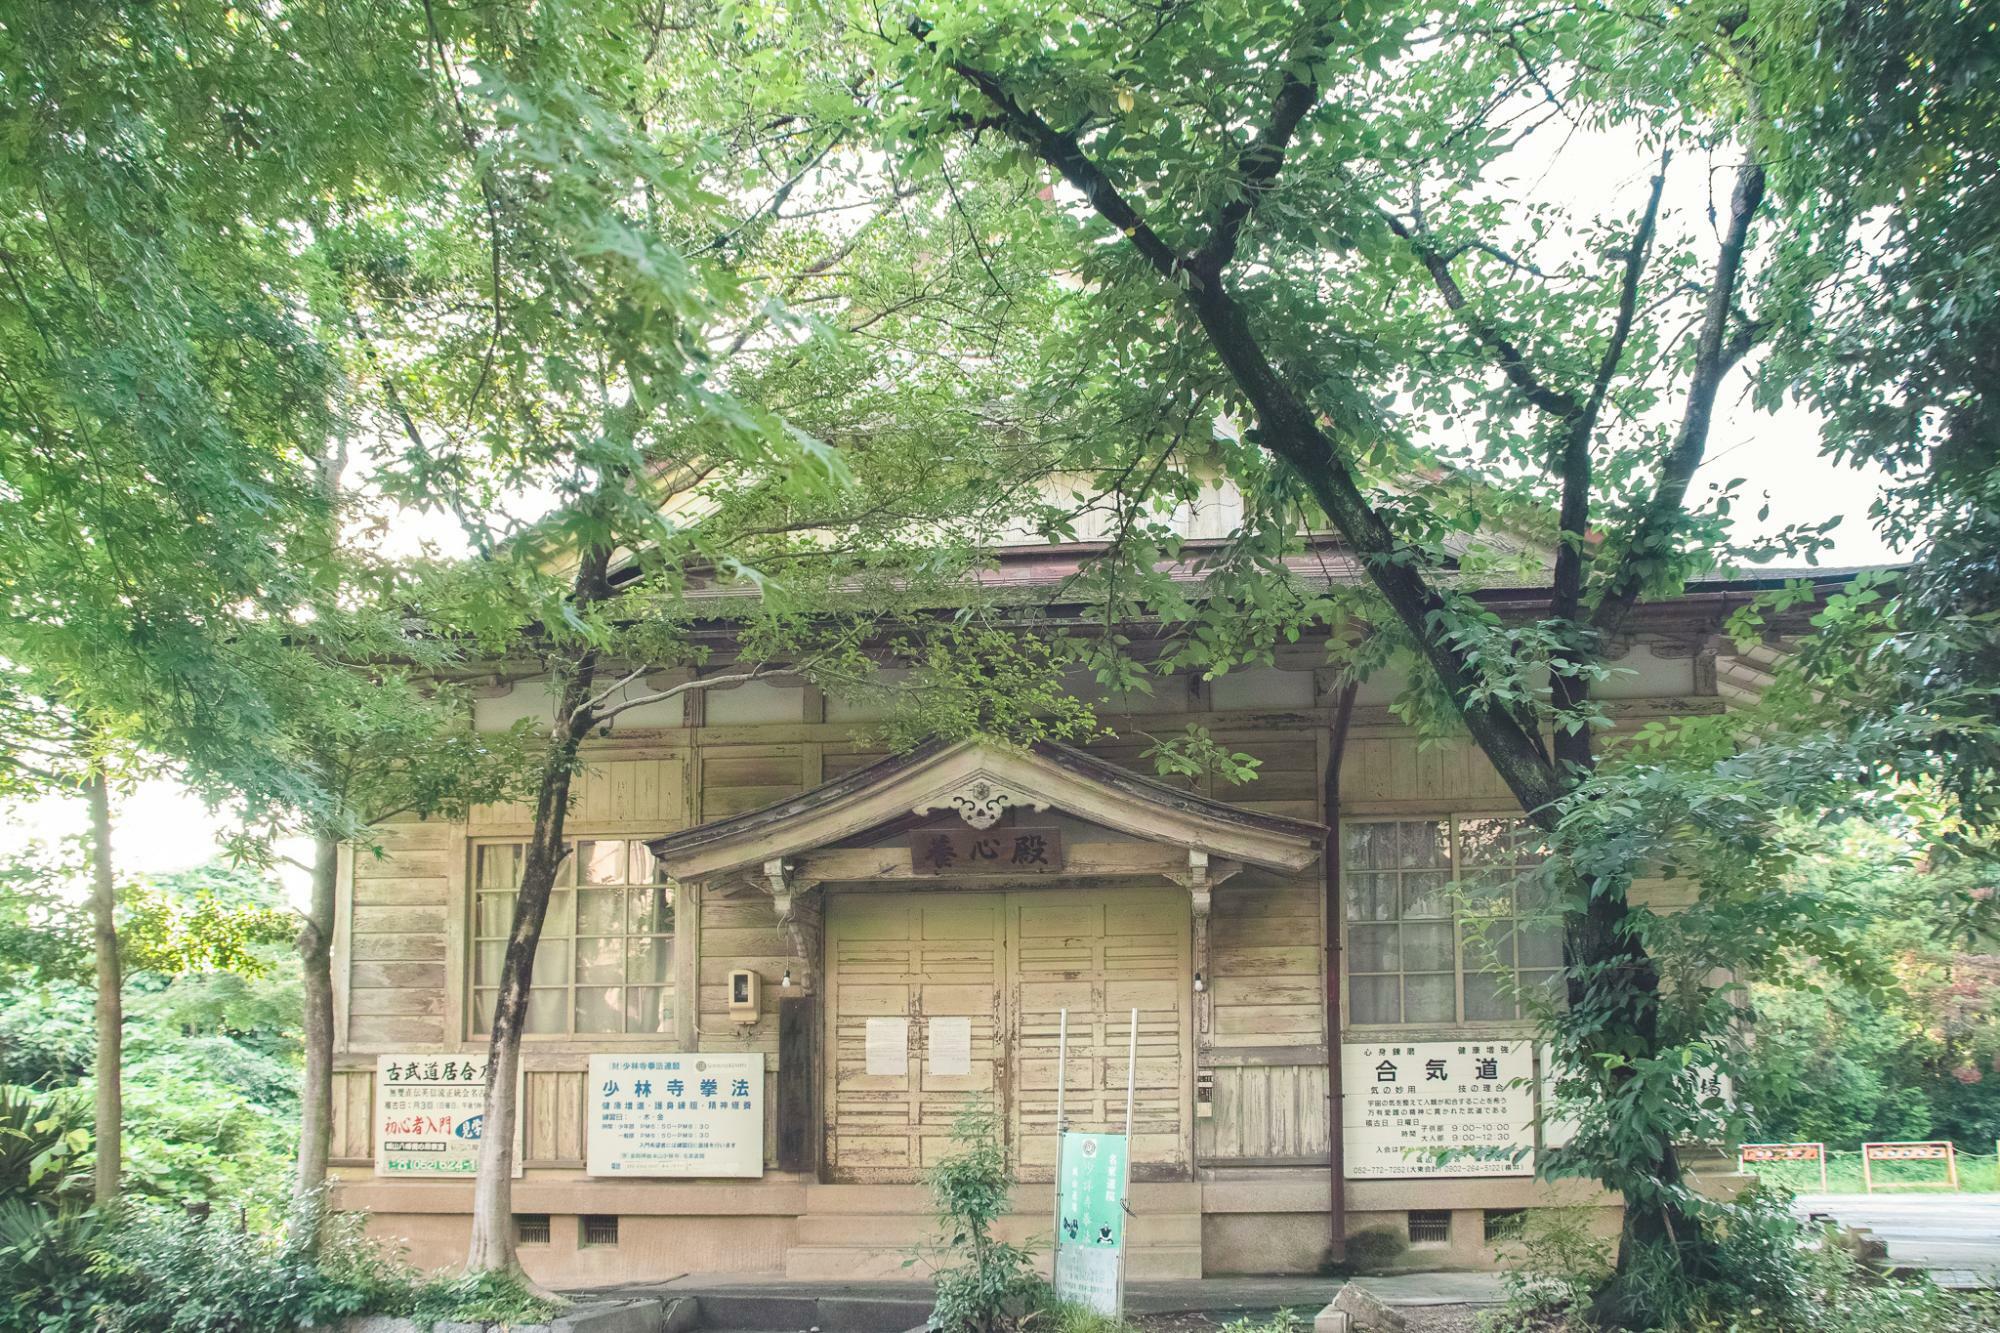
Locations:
981 783
980 802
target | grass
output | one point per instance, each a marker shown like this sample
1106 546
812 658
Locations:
1976 1175
491 1298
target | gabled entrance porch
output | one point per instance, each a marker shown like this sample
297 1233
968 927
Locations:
945 908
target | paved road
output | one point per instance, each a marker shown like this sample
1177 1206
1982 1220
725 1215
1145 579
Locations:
1947 1232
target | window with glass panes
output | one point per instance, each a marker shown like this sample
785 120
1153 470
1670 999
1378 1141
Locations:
1446 920
606 961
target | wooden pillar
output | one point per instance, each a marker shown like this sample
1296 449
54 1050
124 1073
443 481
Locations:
797 1140
1330 861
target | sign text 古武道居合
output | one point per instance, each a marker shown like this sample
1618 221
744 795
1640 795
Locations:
429 1112
676 1115
1438 1108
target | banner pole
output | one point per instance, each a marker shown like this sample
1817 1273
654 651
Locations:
1062 1054
1131 1065
1125 1191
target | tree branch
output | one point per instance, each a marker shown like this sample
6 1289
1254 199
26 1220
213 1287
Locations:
1260 162
602 715
1573 516
1512 361
1061 151
1717 351
1291 432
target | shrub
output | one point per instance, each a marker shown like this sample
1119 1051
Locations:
140 1269
490 1298
983 1283
1767 1278
1069 1317
1372 1248
1284 1321
43 1143
1555 1264
46 1285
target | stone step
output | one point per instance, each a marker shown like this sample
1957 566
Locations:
1147 1196
771 1312
908 1229
858 1263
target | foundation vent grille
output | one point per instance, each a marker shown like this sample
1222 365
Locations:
1430 1228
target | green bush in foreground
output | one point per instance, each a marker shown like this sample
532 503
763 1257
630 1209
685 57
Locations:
1771 1276
984 1284
144 1270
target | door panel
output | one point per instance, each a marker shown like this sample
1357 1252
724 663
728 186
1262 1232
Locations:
1101 955
913 957
922 956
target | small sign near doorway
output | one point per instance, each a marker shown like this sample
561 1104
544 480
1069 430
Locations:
1093 1173
959 851
1091 1177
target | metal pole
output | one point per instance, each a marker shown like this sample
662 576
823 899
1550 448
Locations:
1062 1053
1125 1202
1131 1066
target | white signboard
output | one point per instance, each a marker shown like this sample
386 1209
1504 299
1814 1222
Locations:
1558 1126
950 1045
676 1115
1404 1104
888 1047
429 1110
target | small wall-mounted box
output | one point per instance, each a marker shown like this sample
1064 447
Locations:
746 995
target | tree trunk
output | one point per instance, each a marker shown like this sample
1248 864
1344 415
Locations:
110 1112
316 1083
492 1248
1608 970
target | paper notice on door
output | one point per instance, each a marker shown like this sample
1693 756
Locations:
889 1046
951 1047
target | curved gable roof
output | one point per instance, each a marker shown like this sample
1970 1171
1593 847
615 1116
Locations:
979 779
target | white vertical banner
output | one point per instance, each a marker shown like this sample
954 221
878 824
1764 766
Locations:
1093 1185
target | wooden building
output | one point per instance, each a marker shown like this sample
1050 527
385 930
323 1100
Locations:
913 928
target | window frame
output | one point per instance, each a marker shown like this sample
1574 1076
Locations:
477 996
1457 871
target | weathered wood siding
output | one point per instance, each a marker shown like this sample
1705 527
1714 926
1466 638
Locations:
400 902
352 1141
1266 1114
1387 771
617 791
1267 984
737 926
552 1117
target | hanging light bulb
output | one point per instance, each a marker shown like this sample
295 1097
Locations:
1199 984
786 980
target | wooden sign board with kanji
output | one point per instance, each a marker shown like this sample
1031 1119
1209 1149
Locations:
994 851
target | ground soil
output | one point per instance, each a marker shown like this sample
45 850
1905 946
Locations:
1421 1319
